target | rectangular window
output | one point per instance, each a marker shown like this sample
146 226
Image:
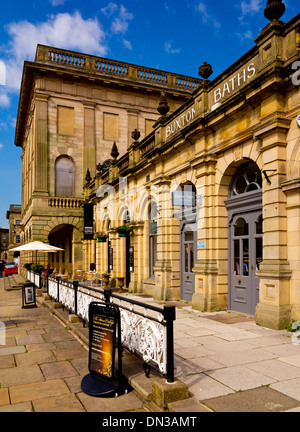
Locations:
149 126
111 127
65 120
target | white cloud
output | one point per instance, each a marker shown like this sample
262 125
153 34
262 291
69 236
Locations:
68 31
251 7
57 2
1 146
207 16
121 22
110 9
127 44
4 100
170 50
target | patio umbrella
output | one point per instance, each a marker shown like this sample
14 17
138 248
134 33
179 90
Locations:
37 246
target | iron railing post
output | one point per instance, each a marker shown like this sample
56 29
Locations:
75 284
58 279
170 316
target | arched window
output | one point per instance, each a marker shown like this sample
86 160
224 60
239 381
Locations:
64 176
153 216
246 179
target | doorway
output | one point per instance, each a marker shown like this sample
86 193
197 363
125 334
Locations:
188 257
245 238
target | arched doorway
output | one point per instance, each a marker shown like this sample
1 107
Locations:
245 238
62 236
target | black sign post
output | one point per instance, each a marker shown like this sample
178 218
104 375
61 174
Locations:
104 379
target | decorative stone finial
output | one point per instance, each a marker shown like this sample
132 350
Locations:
163 107
274 10
205 70
136 135
114 151
88 177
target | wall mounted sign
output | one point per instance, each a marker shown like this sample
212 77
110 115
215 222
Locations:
88 221
201 244
180 122
131 259
234 83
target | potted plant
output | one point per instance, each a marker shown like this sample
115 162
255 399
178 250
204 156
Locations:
101 237
27 266
124 230
37 268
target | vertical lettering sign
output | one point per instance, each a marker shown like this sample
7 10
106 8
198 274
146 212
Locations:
102 340
88 221
131 259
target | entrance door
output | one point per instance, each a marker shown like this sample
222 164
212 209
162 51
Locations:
245 257
188 258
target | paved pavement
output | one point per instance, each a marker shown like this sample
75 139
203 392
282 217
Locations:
228 362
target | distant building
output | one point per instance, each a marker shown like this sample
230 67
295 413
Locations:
4 235
15 229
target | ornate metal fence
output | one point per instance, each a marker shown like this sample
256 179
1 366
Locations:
146 331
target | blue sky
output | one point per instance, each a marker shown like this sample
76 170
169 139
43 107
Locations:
172 35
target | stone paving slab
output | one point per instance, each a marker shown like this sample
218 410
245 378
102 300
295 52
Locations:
41 390
240 378
35 357
20 375
4 396
55 370
19 407
262 399
125 403
289 387
65 403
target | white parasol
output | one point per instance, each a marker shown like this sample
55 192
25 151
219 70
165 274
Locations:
37 246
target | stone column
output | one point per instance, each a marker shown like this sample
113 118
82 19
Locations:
137 242
292 190
206 267
273 309
89 148
167 267
41 145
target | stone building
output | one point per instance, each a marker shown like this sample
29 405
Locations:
212 195
72 109
14 231
4 234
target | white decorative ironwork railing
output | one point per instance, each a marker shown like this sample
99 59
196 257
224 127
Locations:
146 331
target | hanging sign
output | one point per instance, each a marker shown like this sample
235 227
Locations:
131 259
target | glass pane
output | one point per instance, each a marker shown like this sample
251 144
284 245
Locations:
236 268
240 185
191 257
241 227
246 257
252 173
259 252
259 229
186 259
189 236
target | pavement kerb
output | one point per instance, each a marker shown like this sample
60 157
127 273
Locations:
152 390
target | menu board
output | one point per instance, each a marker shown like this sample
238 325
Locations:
102 342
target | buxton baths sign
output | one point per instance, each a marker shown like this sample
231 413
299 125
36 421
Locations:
180 122
234 83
